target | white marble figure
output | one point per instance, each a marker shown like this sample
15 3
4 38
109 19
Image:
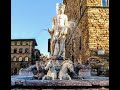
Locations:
51 72
67 64
59 32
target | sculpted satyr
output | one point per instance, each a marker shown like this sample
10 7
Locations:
58 32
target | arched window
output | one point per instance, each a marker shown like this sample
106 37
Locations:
20 50
104 3
26 58
26 50
14 58
15 50
20 58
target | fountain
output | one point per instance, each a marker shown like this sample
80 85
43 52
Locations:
59 71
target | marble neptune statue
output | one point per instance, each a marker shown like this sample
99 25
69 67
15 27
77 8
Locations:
58 32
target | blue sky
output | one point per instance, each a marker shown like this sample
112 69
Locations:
30 17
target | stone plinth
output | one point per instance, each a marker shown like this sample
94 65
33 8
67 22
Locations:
85 71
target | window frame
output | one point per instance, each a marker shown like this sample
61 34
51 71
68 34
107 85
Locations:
14 50
14 59
27 58
20 58
21 43
106 3
27 50
20 50
27 43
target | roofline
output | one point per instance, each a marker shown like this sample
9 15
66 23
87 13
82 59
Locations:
34 40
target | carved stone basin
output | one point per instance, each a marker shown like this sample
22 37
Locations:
75 82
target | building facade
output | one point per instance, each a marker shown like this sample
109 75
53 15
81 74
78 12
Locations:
90 37
22 51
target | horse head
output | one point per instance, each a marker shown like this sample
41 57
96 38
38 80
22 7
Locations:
70 66
51 72
66 69
49 64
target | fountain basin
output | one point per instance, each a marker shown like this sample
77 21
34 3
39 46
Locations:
95 78
64 83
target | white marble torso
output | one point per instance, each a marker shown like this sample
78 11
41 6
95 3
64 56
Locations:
59 24
61 20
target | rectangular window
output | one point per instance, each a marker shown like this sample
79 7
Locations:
18 42
15 50
21 43
15 42
24 42
105 3
12 43
20 50
27 43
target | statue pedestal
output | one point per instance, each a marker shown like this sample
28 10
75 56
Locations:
58 60
85 71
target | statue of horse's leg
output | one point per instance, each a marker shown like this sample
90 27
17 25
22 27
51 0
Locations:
44 77
69 77
53 78
55 75
60 78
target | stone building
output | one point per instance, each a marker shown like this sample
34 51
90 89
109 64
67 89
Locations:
90 37
22 51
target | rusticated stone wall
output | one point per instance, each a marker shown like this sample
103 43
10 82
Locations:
93 2
98 23
92 28
94 31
